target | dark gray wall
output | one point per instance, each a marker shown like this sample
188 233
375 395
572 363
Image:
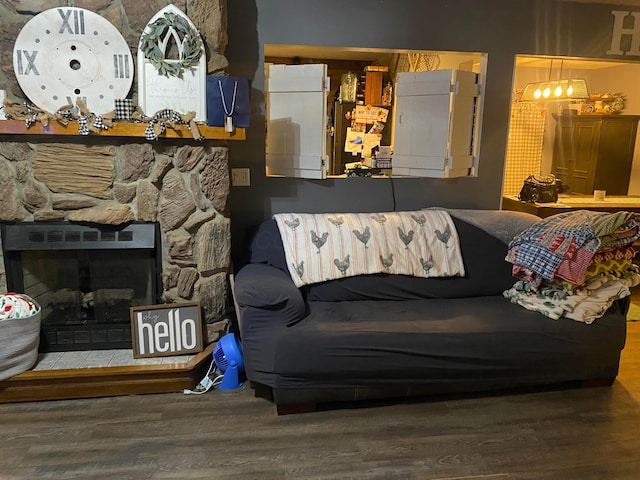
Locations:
501 28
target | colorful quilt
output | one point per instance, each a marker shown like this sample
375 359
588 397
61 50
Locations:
571 237
575 264
321 247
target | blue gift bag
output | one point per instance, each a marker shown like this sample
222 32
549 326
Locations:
228 96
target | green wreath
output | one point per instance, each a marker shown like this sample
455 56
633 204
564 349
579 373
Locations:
191 45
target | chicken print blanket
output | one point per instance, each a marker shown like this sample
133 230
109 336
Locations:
321 247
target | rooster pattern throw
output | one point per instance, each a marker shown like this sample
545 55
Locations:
321 247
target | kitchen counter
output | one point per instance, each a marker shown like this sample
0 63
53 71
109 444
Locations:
567 202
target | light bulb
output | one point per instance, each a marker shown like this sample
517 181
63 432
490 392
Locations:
558 91
570 90
546 92
537 93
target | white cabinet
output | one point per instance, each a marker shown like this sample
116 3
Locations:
296 113
435 118
436 122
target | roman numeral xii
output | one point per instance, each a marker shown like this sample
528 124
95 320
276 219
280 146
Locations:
72 21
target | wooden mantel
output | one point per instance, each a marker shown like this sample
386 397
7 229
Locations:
119 129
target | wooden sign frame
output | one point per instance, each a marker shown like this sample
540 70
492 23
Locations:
166 329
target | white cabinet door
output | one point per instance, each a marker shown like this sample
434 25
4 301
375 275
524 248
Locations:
435 115
296 115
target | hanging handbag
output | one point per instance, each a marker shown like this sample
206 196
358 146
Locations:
228 101
538 189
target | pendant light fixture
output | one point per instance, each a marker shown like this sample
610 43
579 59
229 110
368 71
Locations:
557 90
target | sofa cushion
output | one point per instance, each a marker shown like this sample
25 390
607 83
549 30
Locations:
486 273
266 246
466 343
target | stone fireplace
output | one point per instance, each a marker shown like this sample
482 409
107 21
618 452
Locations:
179 185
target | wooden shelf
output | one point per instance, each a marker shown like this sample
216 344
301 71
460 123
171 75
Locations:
119 129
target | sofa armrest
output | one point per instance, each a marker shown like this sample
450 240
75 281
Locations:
260 287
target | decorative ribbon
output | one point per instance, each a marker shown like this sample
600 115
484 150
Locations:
89 122
167 118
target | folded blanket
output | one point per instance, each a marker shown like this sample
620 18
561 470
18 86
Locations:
574 238
583 306
320 247
575 264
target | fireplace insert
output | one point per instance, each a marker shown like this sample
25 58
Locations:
85 277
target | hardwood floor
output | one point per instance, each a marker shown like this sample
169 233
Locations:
581 434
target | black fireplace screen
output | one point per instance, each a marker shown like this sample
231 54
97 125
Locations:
85 278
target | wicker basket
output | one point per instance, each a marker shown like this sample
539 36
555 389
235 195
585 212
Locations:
19 340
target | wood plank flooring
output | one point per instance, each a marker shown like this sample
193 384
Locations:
578 434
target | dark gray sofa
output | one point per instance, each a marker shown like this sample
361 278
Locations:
393 336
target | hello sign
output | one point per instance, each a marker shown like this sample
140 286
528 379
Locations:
163 330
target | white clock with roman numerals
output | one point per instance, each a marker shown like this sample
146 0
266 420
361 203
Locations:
67 53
